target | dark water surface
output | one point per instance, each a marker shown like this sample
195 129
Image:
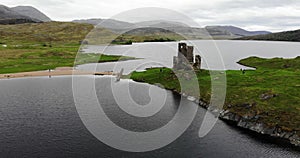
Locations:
38 118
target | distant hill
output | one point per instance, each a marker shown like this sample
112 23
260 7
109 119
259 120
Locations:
145 27
147 31
237 31
122 25
281 36
49 32
21 14
9 16
161 24
31 12
114 25
7 13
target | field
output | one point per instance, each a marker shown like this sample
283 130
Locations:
32 47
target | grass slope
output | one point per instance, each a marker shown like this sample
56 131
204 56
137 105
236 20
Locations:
271 92
44 33
42 58
293 36
31 47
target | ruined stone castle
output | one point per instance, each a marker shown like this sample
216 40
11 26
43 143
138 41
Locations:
185 58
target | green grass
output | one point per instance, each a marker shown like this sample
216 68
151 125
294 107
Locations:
42 46
278 77
44 33
162 37
68 33
99 36
35 58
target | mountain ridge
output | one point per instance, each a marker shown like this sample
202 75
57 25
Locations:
21 14
237 30
218 32
293 36
31 12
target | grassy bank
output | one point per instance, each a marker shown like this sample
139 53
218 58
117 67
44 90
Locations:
23 59
271 92
42 46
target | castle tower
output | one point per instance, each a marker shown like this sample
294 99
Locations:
190 54
182 48
185 58
197 64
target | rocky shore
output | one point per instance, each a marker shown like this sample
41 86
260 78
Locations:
250 123
246 122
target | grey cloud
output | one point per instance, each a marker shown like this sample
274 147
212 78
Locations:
273 14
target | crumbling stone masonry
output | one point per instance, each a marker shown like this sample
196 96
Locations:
185 58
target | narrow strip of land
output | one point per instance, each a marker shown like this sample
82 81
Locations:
61 71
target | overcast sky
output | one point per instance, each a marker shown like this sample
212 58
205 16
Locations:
272 15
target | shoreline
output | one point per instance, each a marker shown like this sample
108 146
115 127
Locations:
60 71
264 100
247 123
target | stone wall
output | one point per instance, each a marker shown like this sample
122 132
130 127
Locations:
185 58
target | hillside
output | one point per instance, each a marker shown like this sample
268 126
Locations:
237 31
9 16
31 12
49 32
113 25
161 24
281 36
216 32
43 46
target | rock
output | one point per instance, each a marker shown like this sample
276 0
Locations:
250 122
256 117
191 98
203 104
224 114
242 123
257 127
295 139
267 131
246 105
267 96
288 135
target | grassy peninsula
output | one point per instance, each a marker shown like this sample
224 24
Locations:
42 46
269 95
